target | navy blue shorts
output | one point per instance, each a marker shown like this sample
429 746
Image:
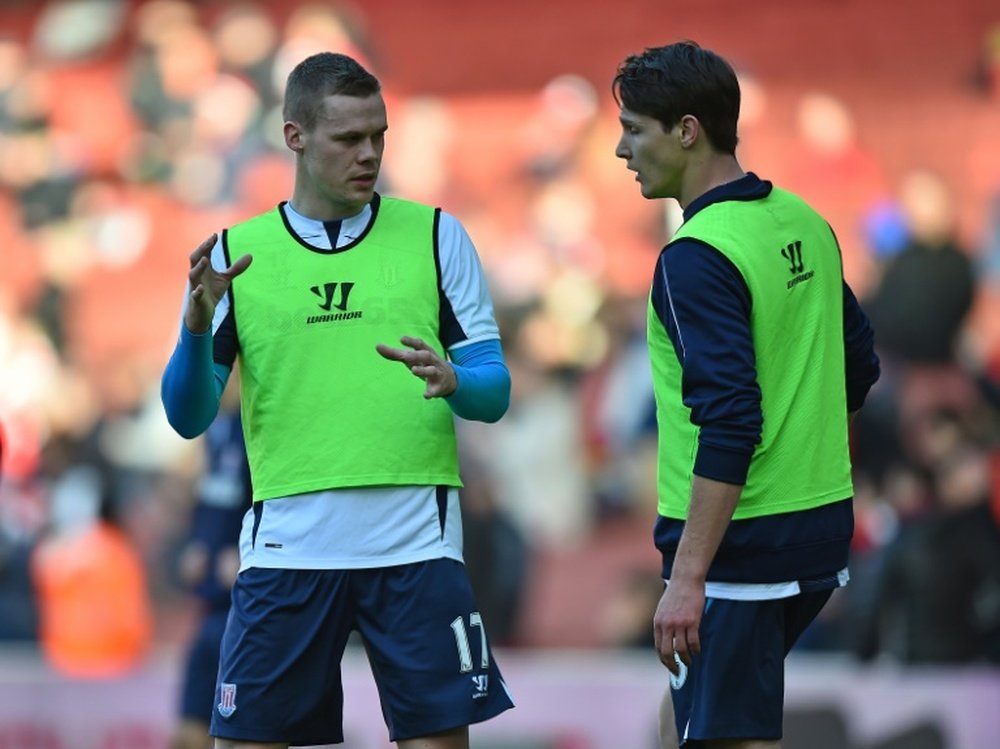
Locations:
735 689
202 667
279 673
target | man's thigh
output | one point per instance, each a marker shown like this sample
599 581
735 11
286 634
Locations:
735 689
428 648
279 668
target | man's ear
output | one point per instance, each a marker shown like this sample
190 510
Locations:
688 130
293 136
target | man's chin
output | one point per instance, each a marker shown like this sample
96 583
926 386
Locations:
651 193
360 198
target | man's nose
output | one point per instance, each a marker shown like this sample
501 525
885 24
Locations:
367 150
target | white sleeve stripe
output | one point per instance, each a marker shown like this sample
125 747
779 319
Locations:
673 312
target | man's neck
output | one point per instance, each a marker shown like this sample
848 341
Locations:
706 174
307 209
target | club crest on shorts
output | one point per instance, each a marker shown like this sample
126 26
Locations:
676 682
227 700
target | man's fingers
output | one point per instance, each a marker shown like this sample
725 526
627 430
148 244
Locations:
668 659
239 266
681 648
413 359
389 352
687 645
414 343
198 267
203 249
664 641
693 641
423 362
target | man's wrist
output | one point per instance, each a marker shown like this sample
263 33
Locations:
197 327
194 331
454 380
690 577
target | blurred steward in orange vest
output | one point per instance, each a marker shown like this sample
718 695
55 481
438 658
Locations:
94 607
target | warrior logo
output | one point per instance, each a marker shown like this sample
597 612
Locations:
328 292
793 254
482 682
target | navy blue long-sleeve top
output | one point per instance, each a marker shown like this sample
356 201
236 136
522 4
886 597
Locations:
704 304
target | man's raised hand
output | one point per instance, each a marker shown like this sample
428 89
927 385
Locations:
208 285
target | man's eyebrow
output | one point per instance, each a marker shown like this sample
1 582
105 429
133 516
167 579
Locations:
356 133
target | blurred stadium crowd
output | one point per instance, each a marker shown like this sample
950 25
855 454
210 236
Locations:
129 131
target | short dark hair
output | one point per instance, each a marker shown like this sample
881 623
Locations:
669 82
322 75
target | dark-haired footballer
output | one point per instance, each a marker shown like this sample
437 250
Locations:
760 354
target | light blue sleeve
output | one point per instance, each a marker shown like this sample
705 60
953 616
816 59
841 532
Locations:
192 384
483 392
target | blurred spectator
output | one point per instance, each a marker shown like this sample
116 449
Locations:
313 27
551 139
40 164
619 413
423 135
885 233
883 505
837 174
496 555
208 564
928 287
68 30
17 600
246 38
534 456
627 618
96 620
938 595
173 56
919 310
988 69
17 597
876 441
988 266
